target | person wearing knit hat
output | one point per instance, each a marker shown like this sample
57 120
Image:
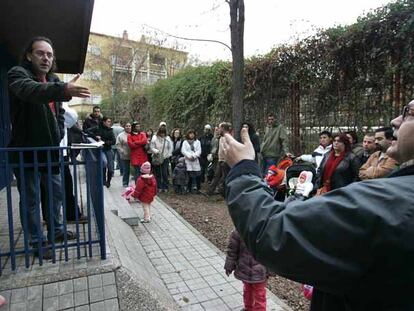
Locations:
145 190
145 168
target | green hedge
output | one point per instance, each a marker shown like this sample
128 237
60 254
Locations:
356 76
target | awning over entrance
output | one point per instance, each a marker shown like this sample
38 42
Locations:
65 22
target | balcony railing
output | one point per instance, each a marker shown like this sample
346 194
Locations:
54 185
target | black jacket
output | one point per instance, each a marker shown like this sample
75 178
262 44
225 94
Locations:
205 142
106 134
33 122
355 245
345 173
91 122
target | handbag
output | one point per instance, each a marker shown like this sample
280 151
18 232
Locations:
158 158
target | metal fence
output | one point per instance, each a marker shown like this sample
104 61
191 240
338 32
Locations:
56 189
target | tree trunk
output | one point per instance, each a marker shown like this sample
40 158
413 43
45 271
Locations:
295 118
237 33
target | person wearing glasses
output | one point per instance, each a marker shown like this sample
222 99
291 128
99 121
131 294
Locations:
354 245
339 167
37 120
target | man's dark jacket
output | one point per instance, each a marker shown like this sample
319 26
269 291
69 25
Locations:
91 122
33 122
106 134
355 245
205 142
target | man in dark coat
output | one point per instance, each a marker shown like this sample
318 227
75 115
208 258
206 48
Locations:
355 244
93 120
105 133
205 142
37 119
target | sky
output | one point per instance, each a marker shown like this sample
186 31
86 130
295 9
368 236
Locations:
268 23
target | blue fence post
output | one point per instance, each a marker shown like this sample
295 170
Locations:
64 207
10 216
50 195
24 210
101 214
90 174
38 207
75 177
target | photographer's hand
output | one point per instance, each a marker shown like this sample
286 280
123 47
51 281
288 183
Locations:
235 151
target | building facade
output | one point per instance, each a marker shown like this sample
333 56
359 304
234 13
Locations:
118 64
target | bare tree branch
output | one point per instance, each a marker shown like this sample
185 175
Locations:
190 39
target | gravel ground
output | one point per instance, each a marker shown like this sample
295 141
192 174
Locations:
209 215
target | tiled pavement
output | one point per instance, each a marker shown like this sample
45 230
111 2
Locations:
92 293
59 286
190 266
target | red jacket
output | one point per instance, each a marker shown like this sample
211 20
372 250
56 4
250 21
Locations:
145 188
136 143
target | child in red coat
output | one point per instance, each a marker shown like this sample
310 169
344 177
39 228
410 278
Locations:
145 190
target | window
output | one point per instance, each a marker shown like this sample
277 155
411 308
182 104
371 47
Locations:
67 77
94 49
94 75
157 59
96 99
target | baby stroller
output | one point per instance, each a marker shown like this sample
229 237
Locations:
276 178
293 172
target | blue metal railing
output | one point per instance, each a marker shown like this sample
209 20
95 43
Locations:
52 184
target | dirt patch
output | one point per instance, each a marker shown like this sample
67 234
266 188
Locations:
209 215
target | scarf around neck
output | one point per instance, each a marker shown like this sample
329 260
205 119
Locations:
330 167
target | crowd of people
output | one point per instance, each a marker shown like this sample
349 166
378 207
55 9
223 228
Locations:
338 161
353 236
349 240
177 160
185 161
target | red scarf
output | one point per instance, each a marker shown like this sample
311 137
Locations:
330 167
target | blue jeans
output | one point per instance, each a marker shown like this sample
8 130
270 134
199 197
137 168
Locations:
268 162
117 159
29 208
108 163
125 164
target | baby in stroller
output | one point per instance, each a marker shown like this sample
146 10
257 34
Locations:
283 178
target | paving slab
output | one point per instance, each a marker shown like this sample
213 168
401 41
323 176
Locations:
189 265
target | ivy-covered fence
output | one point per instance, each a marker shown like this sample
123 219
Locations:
347 77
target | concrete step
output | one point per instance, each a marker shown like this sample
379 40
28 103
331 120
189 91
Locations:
120 207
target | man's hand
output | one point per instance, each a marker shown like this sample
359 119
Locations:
77 91
235 151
